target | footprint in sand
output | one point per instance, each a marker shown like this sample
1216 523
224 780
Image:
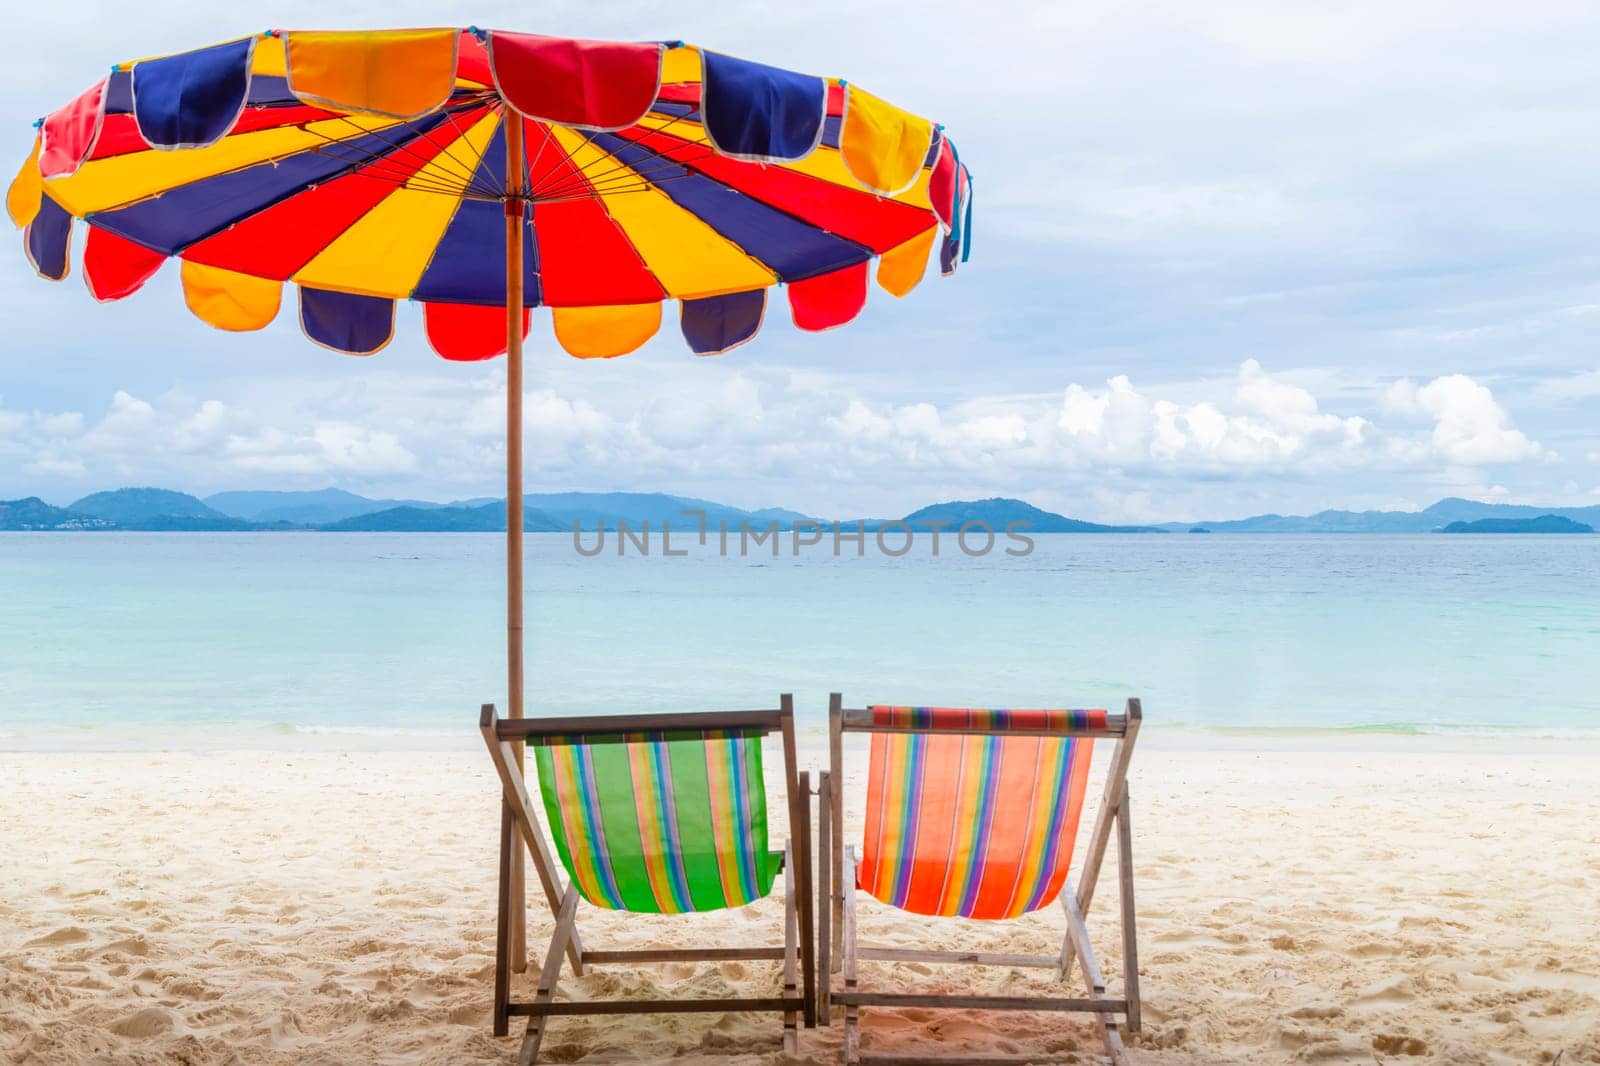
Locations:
1399 1045
133 945
1317 1011
145 1023
1393 991
70 934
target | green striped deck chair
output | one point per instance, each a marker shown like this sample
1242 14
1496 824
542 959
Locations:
654 814
973 813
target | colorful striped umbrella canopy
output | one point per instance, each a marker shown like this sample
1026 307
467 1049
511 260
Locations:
367 167
484 173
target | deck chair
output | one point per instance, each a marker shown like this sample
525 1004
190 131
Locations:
974 813
659 814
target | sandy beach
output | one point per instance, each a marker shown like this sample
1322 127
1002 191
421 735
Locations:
323 907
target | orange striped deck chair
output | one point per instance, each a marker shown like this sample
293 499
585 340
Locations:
653 814
974 813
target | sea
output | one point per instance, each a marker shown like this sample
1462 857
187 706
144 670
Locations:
215 641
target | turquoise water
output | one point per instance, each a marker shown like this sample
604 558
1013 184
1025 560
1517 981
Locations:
218 639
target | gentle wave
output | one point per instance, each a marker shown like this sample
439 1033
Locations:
293 736
1404 729
366 731
227 736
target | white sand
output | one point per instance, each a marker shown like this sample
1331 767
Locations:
262 907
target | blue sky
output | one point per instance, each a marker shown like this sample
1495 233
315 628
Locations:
1229 258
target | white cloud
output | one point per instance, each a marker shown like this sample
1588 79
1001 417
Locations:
780 424
126 427
64 424
327 450
1471 428
1572 388
1271 424
177 438
779 427
48 466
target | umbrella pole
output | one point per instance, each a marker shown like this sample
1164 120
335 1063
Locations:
514 224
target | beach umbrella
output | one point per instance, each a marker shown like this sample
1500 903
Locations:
483 174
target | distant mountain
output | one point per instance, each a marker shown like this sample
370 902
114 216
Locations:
167 523
1545 523
336 510
1428 520
340 511
138 506
1321 522
998 513
552 512
594 510
489 518
1453 509
304 508
164 511
781 515
34 514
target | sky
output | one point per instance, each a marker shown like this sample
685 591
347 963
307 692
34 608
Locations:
1228 258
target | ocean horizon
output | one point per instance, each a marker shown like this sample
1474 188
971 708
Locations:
173 640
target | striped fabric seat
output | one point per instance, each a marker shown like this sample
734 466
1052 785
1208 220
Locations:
972 826
660 822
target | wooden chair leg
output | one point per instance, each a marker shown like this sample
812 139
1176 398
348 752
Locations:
1069 953
852 1014
1078 937
791 939
824 897
503 923
1130 944
1100 836
1104 823
805 886
566 921
836 864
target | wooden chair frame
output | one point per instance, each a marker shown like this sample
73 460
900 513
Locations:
840 949
505 738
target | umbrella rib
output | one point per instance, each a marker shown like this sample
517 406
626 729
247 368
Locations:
424 161
472 174
533 165
641 187
443 183
594 178
565 185
476 166
367 160
539 186
638 181
469 170
625 177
